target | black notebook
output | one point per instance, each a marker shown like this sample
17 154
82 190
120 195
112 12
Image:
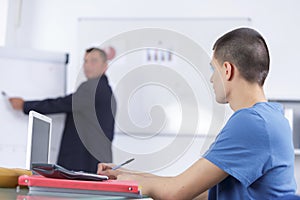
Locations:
56 171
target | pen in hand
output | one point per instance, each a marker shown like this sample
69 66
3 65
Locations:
124 163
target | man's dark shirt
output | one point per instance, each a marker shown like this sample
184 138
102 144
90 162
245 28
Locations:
89 120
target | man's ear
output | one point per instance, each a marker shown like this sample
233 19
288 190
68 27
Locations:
229 70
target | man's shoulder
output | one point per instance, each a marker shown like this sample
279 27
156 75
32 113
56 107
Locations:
256 119
100 81
245 121
245 115
93 82
96 86
260 110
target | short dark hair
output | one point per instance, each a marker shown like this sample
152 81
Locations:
247 50
102 52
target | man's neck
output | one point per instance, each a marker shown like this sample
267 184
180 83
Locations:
245 96
96 77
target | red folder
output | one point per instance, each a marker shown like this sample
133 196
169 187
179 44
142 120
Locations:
38 183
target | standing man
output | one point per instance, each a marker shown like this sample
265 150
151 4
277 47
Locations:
90 111
253 156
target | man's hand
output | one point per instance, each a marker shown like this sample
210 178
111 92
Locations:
106 169
125 174
16 103
120 174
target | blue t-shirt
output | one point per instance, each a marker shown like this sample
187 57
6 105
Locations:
255 148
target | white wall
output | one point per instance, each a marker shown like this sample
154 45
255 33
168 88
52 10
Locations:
52 25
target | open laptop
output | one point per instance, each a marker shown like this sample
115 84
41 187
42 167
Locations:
39 139
38 151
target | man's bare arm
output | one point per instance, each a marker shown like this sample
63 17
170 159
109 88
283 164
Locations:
195 181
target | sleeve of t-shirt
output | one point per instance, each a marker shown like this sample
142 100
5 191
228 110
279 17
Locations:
242 148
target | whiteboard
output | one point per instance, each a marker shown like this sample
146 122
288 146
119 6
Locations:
32 75
146 97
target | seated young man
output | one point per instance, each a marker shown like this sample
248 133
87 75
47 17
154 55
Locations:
252 157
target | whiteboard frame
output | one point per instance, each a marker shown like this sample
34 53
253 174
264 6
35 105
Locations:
36 55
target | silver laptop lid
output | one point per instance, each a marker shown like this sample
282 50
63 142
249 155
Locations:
39 139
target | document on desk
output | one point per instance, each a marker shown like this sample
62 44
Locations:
56 171
40 184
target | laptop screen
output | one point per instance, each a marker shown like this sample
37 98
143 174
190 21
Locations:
39 136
